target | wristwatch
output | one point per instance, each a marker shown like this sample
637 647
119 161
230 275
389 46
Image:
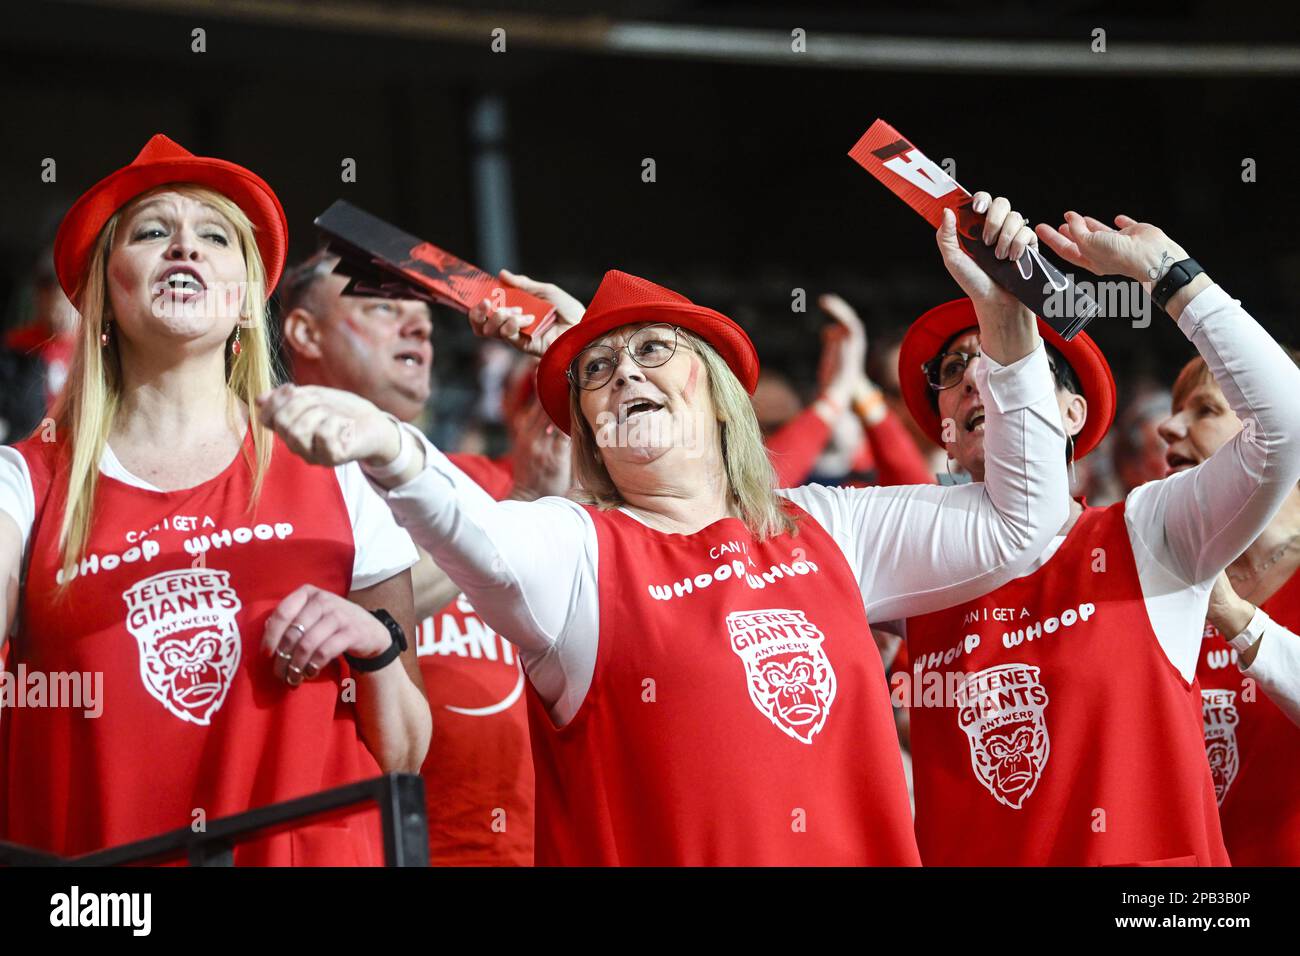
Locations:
370 664
1253 632
1179 274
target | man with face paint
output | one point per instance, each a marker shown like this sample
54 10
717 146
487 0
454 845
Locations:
1252 739
478 772
1056 720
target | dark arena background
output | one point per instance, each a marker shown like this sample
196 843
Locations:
532 158
704 146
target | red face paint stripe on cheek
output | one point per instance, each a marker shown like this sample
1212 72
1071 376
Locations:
689 390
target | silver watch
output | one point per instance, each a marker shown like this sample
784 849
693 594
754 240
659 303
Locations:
1253 632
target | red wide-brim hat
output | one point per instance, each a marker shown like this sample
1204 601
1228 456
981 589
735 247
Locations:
163 161
931 331
624 299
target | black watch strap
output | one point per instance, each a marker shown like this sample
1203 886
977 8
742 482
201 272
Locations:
1179 274
371 664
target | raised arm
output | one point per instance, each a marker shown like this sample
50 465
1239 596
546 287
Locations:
795 447
1197 522
919 548
898 460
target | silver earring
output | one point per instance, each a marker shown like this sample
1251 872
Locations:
1073 477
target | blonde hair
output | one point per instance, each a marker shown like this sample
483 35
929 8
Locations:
751 480
85 411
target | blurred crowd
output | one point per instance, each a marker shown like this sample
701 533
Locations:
822 440
466 407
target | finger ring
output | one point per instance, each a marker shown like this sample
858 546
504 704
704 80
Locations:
283 654
302 631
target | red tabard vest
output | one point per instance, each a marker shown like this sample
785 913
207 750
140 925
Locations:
1253 749
193 725
738 713
478 775
1048 726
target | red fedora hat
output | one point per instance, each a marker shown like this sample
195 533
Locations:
164 161
931 331
623 299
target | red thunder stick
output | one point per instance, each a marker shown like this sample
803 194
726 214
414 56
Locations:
375 250
909 174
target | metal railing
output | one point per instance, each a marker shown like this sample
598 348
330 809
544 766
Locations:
399 796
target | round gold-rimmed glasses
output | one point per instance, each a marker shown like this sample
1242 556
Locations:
648 347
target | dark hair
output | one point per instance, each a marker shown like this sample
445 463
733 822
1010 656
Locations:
1062 373
298 281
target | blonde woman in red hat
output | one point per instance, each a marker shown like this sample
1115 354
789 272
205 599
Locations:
1248 663
1055 719
703 687
218 591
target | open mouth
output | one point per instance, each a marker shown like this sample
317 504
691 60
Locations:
975 419
1176 462
640 406
411 359
181 282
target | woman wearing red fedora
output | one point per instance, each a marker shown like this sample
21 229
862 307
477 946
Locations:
1065 724
703 687
1249 645
207 594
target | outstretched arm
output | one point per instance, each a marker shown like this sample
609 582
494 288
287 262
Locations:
919 548
488 548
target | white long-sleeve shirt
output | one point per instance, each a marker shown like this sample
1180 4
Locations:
1276 667
530 568
1188 527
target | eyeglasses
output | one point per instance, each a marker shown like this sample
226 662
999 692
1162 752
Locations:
948 368
649 347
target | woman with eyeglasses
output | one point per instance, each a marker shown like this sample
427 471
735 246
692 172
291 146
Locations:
703 686
1069 731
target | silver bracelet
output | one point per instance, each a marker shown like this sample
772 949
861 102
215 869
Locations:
400 461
